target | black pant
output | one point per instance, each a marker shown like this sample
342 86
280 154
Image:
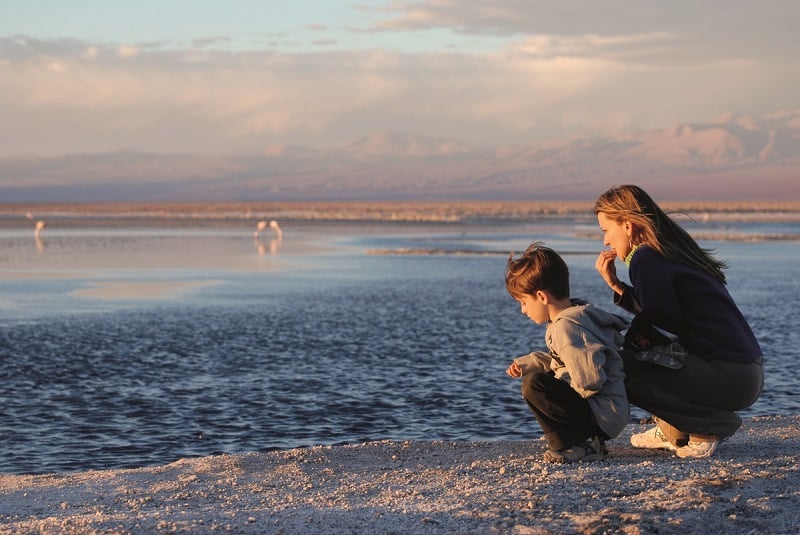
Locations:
565 417
700 398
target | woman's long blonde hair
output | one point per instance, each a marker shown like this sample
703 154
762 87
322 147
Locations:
654 228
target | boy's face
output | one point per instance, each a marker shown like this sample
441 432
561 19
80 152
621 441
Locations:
534 307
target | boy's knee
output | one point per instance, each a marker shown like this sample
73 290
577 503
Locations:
535 383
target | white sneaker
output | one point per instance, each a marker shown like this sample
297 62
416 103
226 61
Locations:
697 450
652 439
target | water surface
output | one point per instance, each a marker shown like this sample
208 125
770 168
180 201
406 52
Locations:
125 345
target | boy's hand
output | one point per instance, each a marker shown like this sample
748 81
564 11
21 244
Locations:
515 370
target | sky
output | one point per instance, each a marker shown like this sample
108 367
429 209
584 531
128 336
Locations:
238 76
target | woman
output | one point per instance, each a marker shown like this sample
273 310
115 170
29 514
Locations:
690 357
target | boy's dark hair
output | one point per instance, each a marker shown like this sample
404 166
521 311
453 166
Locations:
538 268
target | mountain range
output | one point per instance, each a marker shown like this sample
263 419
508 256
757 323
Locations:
733 157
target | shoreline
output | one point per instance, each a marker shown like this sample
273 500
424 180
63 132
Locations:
409 211
751 485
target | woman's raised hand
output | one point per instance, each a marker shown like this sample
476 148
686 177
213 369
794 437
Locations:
605 266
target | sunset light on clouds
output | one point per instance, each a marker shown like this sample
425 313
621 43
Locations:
239 77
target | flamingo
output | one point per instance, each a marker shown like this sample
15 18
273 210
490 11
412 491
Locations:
262 225
259 228
274 226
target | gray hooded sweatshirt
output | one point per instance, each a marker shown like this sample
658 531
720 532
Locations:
584 343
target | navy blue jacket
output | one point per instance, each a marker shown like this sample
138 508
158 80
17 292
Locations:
691 303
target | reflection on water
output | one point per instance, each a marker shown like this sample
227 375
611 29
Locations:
271 248
126 346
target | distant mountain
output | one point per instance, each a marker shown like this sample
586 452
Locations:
735 156
733 140
392 144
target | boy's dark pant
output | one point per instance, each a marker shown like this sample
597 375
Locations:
565 417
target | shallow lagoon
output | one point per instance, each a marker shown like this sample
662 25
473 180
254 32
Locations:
130 343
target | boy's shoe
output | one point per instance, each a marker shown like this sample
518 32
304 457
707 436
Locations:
602 444
652 439
592 449
696 449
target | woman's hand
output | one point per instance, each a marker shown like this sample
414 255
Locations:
605 266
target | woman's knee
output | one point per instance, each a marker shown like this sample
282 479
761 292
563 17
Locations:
750 384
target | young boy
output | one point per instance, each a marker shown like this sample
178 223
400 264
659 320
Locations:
577 390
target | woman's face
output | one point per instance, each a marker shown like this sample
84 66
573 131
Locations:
616 235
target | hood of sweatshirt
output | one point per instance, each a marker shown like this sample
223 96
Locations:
596 320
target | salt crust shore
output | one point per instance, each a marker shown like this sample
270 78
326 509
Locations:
751 485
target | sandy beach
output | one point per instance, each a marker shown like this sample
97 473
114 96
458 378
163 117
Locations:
751 485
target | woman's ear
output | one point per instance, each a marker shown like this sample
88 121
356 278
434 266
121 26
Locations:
543 297
628 226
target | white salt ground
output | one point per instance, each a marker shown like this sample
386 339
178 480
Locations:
751 485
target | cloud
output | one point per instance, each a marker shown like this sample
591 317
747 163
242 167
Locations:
734 18
127 51
635 47
208 42
560 69
237 98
